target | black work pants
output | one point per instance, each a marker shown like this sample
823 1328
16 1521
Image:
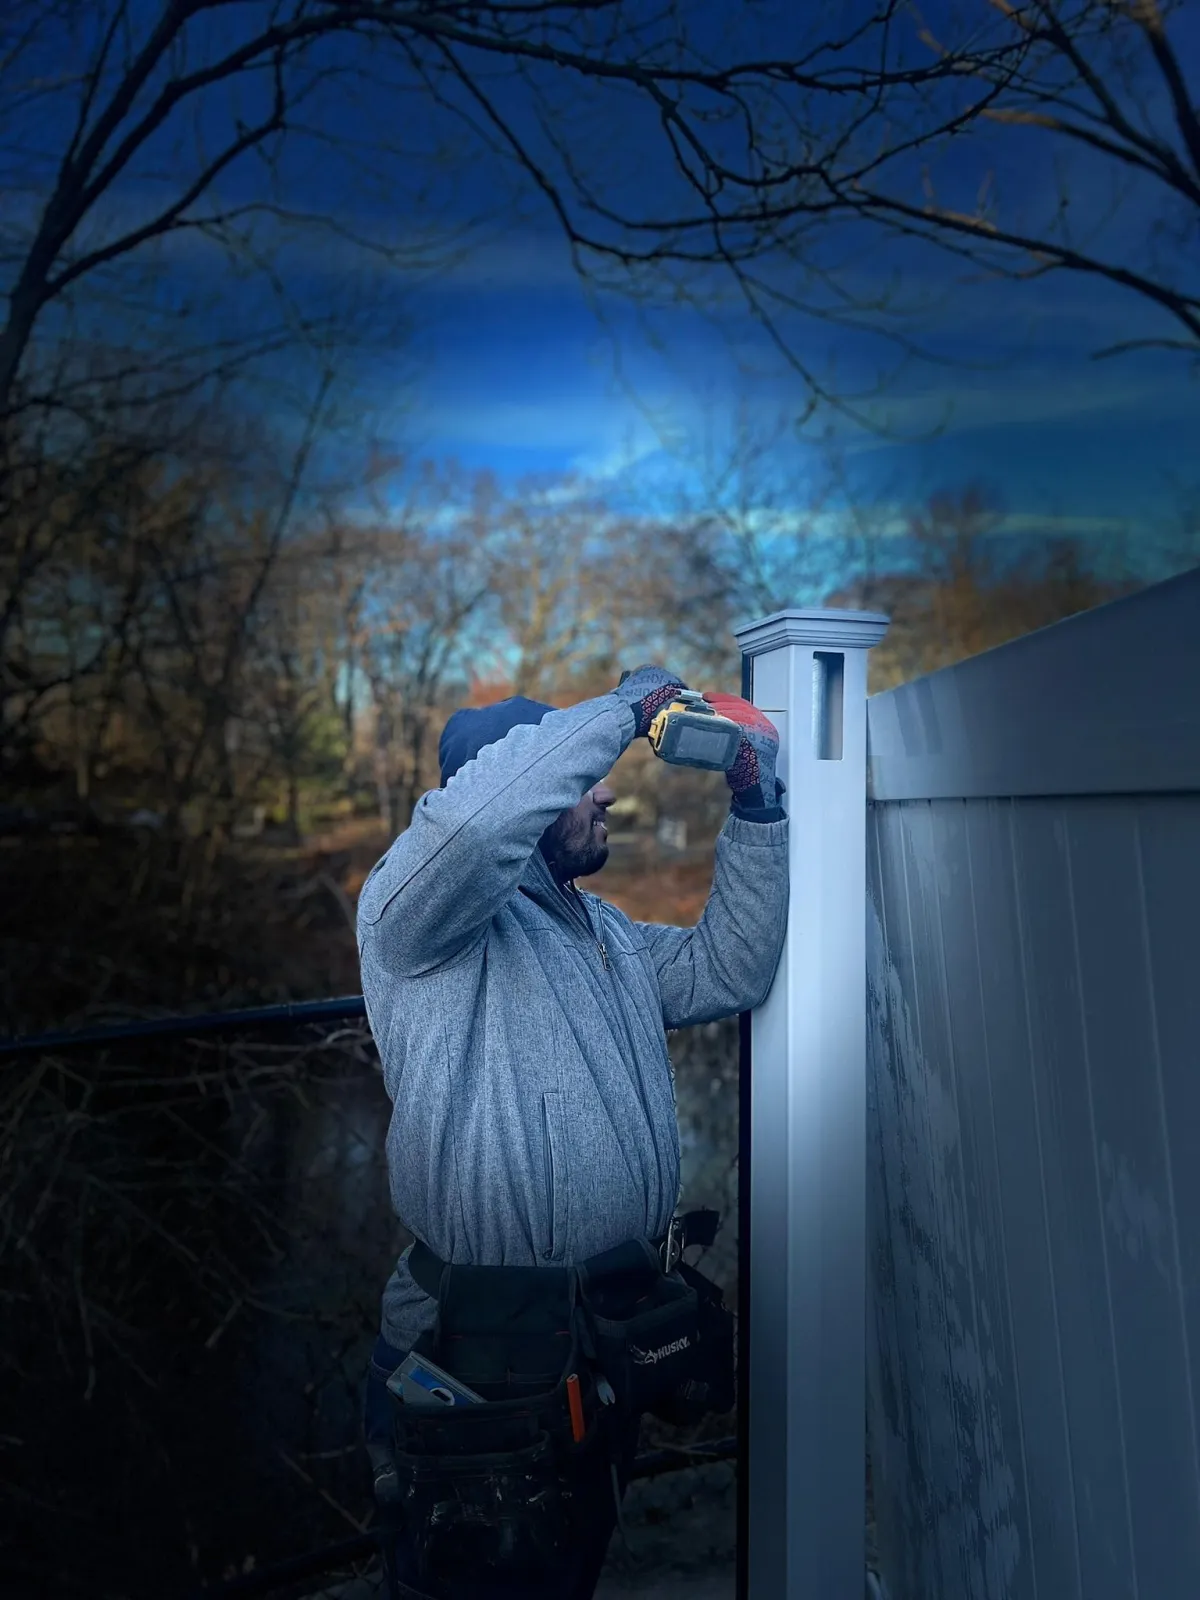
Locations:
598 1520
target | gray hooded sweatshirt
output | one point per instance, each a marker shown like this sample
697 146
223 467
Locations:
521 1026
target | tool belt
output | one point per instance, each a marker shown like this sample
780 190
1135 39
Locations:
504 1486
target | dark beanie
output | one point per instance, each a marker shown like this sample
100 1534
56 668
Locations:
470 729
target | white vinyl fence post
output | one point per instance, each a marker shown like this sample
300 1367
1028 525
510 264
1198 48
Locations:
804 1510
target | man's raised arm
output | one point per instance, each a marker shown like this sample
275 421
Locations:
727 962
468 844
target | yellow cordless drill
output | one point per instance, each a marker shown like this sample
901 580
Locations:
689 733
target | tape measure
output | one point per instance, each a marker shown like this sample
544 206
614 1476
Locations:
689 733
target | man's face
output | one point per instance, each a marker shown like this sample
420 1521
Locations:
576 845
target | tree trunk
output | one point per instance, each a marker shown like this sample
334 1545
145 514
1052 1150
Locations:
14 341
293 804
384 791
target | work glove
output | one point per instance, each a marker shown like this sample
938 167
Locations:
648 689
752 775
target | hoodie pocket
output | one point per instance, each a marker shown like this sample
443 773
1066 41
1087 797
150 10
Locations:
557 1193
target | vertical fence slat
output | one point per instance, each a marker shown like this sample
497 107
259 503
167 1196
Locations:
1029 1273
1000 1517
1135 1195
932 1536
1061 1077
1170 863
1034 1014
958 1384
901 1450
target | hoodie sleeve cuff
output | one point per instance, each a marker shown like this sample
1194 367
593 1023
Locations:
748 805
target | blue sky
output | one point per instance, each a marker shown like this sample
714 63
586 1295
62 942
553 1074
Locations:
503 361
518 375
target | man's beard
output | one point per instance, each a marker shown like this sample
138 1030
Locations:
568 854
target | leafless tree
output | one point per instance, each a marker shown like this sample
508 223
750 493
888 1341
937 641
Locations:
70 584
794 124
422 582
759 522
191 648
132 596
291 710
740 153
958 587
125 131
570 589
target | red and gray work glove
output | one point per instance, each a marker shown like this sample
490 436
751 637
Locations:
647 690
752 775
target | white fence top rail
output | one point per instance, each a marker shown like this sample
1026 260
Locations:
1107 702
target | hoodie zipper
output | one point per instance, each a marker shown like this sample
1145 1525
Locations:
580 911
620 1005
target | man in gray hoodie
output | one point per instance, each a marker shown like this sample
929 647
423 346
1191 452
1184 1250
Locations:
521 1023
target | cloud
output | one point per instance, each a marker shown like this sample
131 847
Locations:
614 462
565 423
890 520
1033 395
595 435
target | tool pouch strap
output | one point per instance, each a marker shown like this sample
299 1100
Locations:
710 1386
697 1227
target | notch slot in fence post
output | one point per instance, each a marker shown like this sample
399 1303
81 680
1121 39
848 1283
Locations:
829 675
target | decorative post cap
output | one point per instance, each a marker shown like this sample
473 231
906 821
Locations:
812 625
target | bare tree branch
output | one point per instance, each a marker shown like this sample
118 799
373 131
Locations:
757 154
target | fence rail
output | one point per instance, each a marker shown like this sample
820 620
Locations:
245 1019
1107 702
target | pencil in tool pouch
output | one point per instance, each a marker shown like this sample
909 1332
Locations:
575 1403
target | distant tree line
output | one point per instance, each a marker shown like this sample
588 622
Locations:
199 632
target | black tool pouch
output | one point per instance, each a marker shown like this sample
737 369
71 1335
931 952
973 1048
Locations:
644 1324
664 1339
497 1486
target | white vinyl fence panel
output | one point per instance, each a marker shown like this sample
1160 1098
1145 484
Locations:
1034 1114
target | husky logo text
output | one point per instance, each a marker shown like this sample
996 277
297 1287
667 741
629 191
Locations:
647 1358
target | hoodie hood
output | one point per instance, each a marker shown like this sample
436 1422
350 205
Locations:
469 730
540 884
